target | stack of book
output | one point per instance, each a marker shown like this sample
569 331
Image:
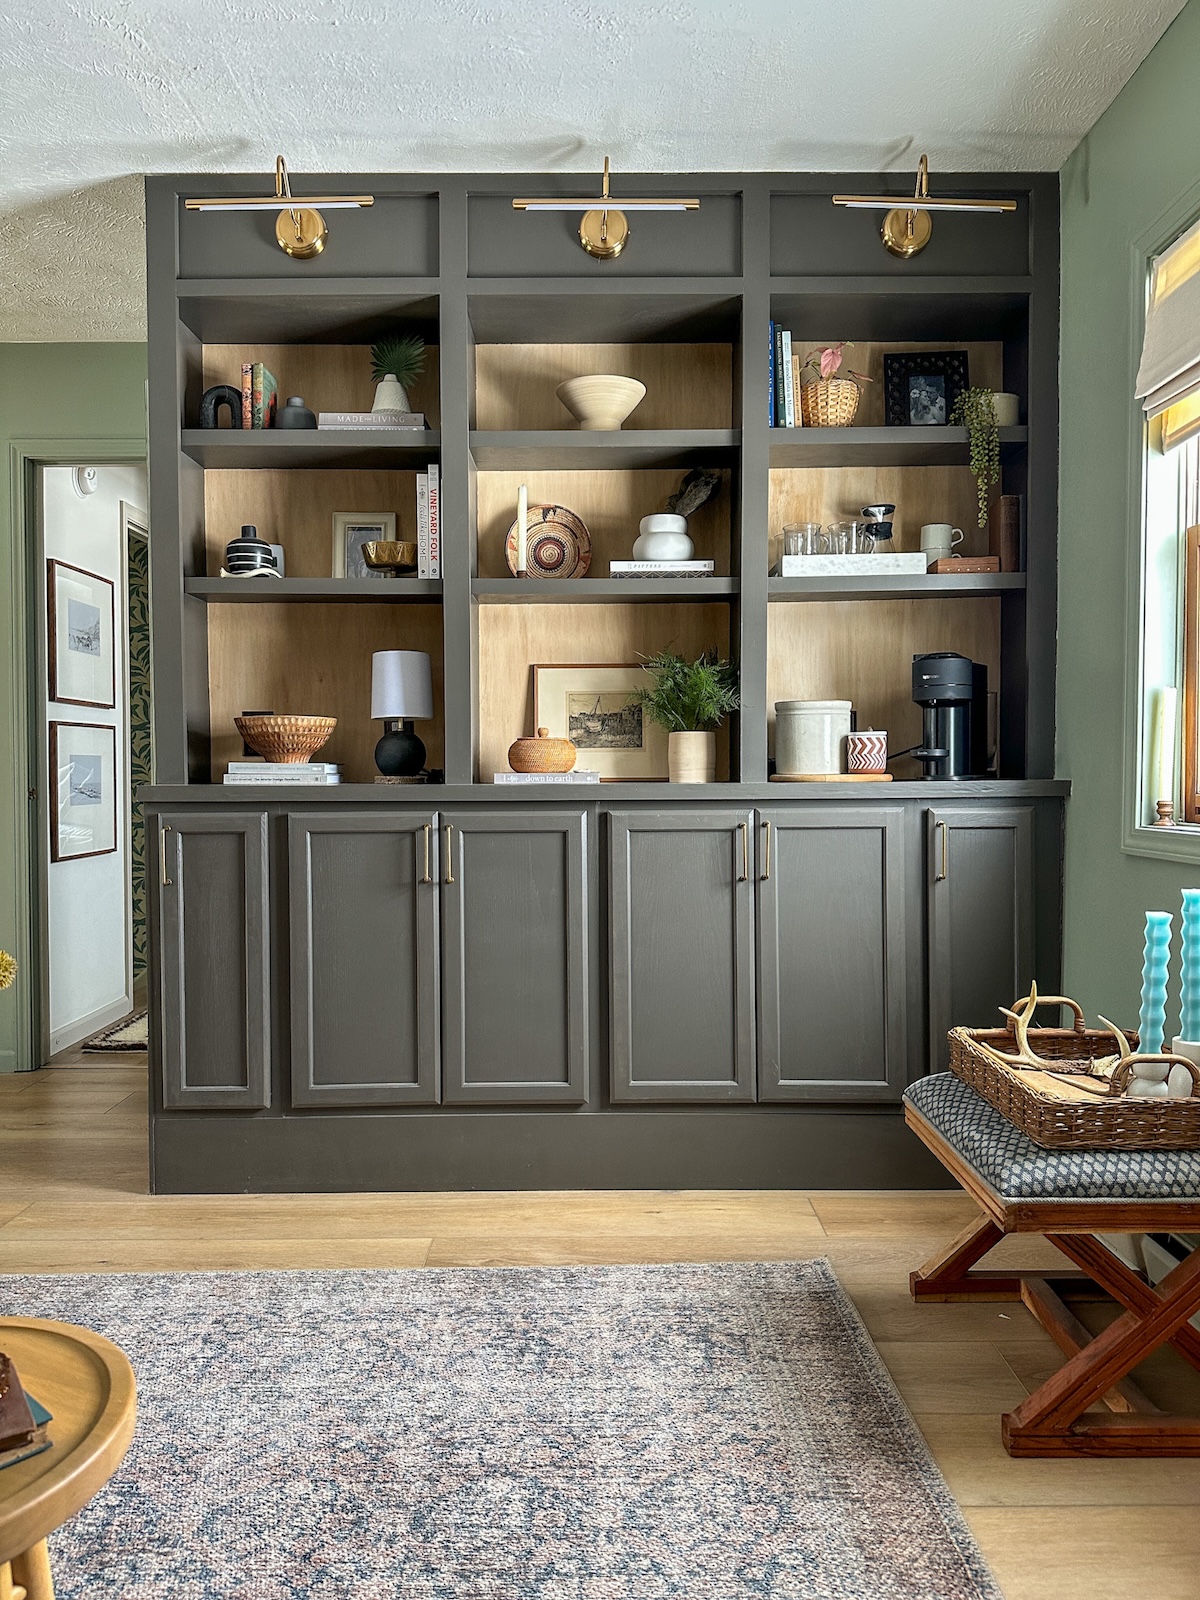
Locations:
579 775
429 523
260 396
364 420
23 1422
661 569
283 773
784 401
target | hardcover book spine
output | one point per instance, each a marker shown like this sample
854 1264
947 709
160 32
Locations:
779 411
264 397
247 394
422 524
797 368
789 394
435 522
771 373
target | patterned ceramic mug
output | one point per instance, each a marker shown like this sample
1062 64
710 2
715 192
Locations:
867 751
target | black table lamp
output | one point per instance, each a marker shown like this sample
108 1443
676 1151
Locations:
401 693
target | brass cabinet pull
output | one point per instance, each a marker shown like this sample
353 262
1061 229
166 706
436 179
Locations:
449 854
426 876
766 873
944 869
744 874
164 829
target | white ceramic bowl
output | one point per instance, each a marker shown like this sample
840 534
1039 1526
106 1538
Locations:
601 401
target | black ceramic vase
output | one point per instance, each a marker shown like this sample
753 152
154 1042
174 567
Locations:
248 554
295 414
399 754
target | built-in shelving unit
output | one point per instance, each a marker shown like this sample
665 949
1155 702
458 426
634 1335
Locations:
279 450
311 591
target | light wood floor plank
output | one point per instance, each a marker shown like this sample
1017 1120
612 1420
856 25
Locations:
1094 1553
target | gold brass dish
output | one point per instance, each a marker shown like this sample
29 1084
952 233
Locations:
390 555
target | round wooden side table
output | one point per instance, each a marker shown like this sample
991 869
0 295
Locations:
88 1386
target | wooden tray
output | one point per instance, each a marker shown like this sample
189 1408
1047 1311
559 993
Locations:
831 777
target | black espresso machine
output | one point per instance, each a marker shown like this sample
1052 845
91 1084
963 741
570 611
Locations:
952 691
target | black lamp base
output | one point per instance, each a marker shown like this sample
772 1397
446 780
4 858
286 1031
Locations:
399 754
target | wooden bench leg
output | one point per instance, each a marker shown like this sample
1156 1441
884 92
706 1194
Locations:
1125 1286
947 1275
32 1571
1051 1421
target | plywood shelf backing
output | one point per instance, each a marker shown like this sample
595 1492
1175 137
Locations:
687 385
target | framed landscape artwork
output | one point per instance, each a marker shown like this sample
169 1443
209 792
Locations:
79 637
83 790
596 708
353 529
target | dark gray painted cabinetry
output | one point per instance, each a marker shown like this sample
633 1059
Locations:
364 958
832 1014
980 873
682 955
514 956
213 959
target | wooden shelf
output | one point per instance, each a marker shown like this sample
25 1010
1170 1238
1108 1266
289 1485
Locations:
309 591
267 448
576 591
566 450
880 447
935 586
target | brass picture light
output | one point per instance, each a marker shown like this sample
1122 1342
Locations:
300 228
604 228
906 229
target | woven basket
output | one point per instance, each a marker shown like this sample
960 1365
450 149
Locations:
1041 1107
829 402
289 740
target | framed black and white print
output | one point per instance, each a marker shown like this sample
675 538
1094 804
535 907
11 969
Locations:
83 790
79 640
921 386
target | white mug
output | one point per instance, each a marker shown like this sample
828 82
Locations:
938 539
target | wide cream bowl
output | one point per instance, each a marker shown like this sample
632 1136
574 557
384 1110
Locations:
601 401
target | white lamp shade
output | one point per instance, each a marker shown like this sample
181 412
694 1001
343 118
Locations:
401 685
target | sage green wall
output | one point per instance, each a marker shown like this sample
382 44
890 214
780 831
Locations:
54 396
1125 182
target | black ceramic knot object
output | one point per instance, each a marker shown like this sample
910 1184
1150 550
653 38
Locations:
248 554
295 414
211 401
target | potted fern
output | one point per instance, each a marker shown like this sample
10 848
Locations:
690 699
395 363
975 410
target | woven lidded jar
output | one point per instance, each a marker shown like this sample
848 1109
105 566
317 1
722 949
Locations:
542 754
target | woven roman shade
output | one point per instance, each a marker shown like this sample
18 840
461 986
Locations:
1169 373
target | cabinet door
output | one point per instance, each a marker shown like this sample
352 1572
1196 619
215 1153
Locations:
213 959
681 955
832 978
364 915
979 871
514 956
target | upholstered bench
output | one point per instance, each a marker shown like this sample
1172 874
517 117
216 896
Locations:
1070 1196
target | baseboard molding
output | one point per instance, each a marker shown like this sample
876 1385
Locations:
809 1148
75 1032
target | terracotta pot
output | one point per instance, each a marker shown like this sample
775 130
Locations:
542 754
692 757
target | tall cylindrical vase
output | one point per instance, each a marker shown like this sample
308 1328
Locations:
692 757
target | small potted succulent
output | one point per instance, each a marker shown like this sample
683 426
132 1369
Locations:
395 363
975 410
827 400
690 699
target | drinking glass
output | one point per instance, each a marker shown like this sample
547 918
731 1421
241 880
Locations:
802 539
850 539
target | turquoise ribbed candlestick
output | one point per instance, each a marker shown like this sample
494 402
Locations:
1189 995
1157 956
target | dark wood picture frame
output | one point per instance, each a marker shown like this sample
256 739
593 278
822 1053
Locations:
110 802
53 617
951 366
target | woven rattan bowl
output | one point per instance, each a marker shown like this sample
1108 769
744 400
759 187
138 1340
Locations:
289 740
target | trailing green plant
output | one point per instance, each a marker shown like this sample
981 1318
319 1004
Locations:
690 696
402 355
975 410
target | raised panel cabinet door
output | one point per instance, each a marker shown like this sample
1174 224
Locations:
832 973
514 956
980 879
214 960
364 958
681 955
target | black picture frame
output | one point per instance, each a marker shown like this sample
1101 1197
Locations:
948 372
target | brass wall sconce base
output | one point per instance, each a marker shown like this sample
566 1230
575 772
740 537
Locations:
604 234
905 231
301 233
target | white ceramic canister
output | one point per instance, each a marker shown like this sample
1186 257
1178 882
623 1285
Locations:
810 736
663 536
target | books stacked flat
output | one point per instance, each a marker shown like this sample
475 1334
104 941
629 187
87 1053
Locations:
366 420
429 523
283 774
580 775
23 1422
661 569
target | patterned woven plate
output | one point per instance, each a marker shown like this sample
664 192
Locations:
558 544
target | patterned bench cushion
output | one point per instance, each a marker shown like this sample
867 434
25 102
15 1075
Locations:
1019 1169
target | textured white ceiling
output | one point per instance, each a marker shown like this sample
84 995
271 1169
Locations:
97 92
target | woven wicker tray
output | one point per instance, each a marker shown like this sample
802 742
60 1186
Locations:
1058 1114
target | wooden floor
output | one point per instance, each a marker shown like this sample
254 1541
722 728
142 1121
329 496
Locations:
73 1199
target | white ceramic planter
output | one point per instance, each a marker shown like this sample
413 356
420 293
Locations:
810 736
692 757
1008 408
663 537
390 395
